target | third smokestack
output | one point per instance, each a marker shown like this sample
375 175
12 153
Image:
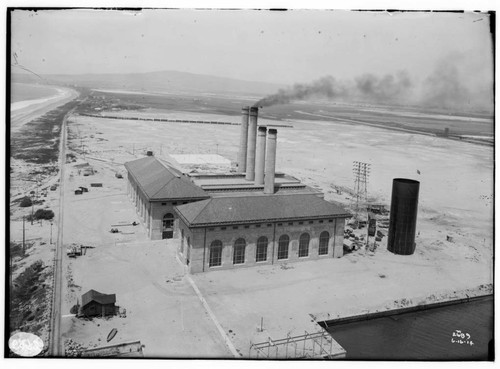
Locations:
252 137
260 155
270 161
242 154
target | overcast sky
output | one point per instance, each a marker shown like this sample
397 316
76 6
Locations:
282 47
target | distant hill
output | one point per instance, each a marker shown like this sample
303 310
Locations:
165 81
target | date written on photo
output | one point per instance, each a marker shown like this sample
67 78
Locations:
461 338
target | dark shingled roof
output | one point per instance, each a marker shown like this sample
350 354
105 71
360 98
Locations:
98 297
258 209
160 182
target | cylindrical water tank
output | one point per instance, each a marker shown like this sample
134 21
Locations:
403 219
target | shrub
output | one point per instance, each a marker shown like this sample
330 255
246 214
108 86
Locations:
25 202
44 214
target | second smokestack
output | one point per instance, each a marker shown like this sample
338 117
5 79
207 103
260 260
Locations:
270 161
260 155
252 137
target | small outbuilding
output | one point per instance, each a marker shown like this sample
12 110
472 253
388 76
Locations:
95 303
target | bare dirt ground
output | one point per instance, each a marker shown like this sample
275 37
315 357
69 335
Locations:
162 309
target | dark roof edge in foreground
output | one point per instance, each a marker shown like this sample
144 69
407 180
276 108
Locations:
258 221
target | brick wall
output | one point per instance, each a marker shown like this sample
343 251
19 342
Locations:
200 240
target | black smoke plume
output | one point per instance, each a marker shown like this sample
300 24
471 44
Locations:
367 87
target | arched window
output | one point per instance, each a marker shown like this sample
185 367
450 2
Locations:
168 221
239 251
324 238
304 245
215 257
261 254
283 247
168 226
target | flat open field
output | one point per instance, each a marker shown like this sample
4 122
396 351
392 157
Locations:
411 118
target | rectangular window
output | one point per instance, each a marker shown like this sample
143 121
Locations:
163 203
185 202
269 224
174 203
235 227
330 220
257 226
222 228
321 221
246 227
280 224
215 257
300 223
311 221
290 223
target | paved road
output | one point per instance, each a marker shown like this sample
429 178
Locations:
56 347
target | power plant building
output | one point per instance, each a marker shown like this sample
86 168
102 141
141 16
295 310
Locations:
236 219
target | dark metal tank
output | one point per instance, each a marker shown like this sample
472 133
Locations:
403 219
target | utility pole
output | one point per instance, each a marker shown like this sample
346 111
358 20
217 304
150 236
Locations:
24 247
51 232
32 208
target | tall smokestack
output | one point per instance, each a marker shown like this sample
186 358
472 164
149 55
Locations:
242 154
260 155
252 136
270 161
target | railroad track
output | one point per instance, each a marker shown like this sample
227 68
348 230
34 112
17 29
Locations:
56 348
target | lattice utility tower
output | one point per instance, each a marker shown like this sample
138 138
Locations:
361 173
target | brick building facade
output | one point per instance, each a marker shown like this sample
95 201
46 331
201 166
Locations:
231 245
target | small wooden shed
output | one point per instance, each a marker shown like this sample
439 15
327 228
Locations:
95 303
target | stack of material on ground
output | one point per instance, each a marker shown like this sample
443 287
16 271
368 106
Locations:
377 209
73 349
129 349
73 251
88 171
379 236
351 241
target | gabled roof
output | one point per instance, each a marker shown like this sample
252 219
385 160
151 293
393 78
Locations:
159 181
258 209
98 297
